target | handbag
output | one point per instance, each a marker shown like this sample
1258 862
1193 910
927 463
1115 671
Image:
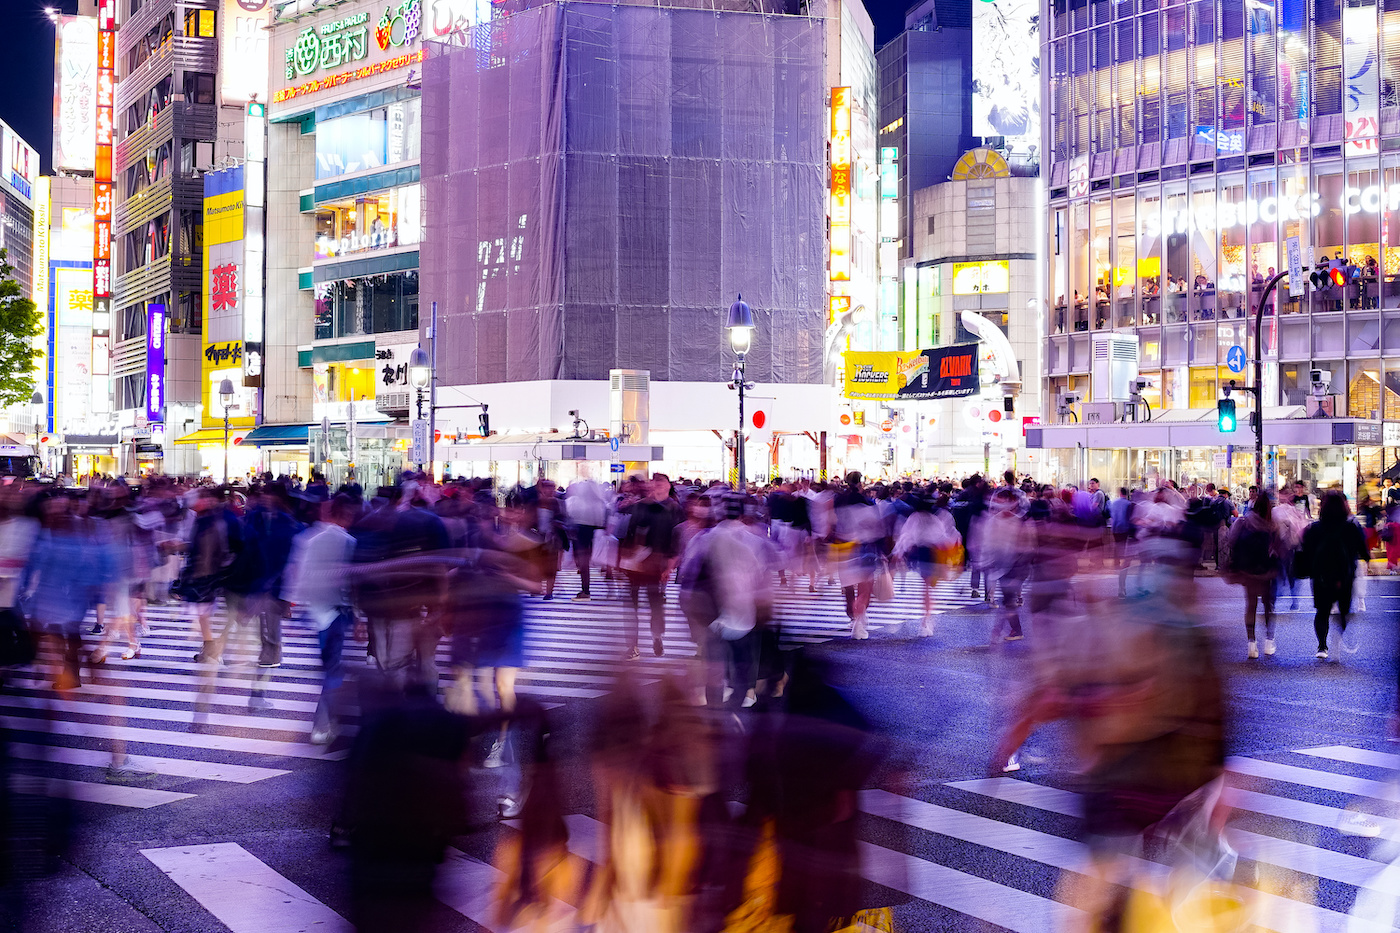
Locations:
883 585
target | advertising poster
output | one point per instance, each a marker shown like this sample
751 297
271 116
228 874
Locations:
1006 72
243 56
222 342
943 372
74 84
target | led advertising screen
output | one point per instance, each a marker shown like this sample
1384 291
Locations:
1006 73
243 57
74 84
155 364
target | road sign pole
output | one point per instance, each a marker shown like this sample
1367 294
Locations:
1259 378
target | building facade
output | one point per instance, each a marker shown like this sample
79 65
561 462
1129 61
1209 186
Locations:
170 127
601 184
344 225
1186 145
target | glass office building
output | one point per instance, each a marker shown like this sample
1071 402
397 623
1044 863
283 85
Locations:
1187 142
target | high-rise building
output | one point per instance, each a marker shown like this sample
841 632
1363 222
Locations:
1185 147
344 223
601 183
925 100
177 114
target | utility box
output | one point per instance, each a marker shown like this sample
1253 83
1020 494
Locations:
629 405
1113 367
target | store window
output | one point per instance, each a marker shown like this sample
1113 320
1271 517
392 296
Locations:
1232 216
1364 389
1261 215
1125 271
1362 208
1390 395
1204 226
1081 288
1149 253
1102 265
1176 234
375 221
372 139
378 304
199 87
1203 388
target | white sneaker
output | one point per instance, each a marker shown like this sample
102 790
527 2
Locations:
1012 764
1321 654
859 630
1269 647
1253 650
495 758
926 627
1350 643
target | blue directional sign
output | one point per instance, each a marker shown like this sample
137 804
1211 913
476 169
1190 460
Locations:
1235 359
612 443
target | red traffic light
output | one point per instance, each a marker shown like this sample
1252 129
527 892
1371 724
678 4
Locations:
1338 275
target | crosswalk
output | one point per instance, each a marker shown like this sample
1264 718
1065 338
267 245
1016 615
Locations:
975 852
193 731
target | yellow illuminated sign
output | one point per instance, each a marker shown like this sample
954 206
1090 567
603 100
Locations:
840 184
991 276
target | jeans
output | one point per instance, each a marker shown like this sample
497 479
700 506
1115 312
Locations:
636 582
583 554
332 644
1327 593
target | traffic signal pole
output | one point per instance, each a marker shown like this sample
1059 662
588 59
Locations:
1259 377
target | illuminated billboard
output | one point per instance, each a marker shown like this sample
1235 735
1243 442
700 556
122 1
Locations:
1006 73
992 276
225 298
74 84
943 372
243 58
19 163
840 184
104 126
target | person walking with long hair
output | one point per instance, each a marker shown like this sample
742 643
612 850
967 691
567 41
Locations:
1254 547
1331 547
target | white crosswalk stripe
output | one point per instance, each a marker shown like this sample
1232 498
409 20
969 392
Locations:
1011 823
192 728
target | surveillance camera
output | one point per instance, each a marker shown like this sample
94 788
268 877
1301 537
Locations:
573 412
1142 382
1319 376
1070 398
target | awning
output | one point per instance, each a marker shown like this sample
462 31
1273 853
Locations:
213 436
278 435
91 440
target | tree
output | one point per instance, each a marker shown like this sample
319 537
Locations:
20 322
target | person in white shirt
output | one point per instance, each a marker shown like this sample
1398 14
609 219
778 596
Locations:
320 586
587 504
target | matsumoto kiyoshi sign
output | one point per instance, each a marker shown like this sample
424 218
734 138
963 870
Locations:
943 372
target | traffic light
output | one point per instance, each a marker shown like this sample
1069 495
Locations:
1333 272
1225 415
483 421
1008 404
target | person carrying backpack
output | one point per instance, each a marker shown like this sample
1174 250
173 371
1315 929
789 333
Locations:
1254 546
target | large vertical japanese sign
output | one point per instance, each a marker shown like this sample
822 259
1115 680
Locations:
155 364
102 159
840 184
225 293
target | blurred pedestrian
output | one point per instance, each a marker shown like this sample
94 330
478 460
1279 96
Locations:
1330 550
1255 548
587 504
646 555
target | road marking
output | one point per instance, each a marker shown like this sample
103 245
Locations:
63 705
243 892
141 798
176 767
1309 777
211 741
1358 756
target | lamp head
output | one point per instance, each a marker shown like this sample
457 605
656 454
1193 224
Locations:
36 399
740 326
226 392
420 370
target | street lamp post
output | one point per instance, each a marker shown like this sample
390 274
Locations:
226 399
420 373
740 327
36 405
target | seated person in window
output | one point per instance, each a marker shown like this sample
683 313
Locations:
1101 293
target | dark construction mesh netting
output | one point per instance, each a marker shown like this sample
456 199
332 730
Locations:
601 181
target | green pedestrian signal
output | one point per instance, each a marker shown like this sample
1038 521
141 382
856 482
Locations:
1225 415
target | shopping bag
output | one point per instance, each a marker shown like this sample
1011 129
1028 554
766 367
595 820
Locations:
883 586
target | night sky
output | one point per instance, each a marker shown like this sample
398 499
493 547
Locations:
26 64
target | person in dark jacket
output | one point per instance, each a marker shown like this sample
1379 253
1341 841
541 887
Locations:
1331 547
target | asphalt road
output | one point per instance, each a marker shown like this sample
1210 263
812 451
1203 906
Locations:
960 853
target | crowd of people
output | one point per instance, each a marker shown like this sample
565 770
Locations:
419 567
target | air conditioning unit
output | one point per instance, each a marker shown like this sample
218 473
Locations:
393 403
1113 367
